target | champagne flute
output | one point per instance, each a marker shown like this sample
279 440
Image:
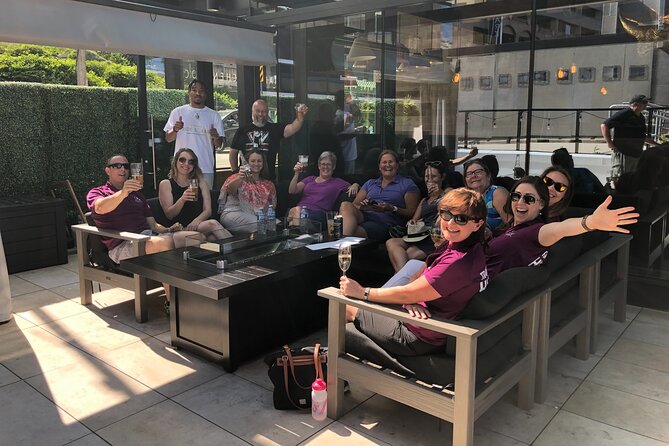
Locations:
344 257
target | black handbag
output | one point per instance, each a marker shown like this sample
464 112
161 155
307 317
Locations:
292 371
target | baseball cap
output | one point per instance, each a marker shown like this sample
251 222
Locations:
639 98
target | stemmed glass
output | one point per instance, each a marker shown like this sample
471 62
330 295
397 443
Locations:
344 257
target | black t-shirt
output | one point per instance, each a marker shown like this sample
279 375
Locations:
267 137
629 132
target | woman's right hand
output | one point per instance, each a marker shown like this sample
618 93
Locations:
299 167
418 311
188 195
351 288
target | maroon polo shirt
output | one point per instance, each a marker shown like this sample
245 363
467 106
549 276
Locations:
517 246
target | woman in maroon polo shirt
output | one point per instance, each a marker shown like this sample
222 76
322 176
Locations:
451 276
525 239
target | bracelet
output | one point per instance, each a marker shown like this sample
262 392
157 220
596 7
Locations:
365 295
585 224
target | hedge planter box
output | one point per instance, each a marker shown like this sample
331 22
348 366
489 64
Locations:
33 232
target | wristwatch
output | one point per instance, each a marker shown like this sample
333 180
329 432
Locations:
394 208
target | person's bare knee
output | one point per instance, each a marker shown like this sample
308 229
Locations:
159 244
351 312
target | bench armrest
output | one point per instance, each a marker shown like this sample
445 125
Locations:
123 235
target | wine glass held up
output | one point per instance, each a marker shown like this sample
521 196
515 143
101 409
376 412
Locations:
344 258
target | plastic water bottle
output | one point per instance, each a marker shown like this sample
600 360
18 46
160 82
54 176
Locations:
260 216
271 219
319 400
304 213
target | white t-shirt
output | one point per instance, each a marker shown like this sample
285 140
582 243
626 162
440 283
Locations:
195 133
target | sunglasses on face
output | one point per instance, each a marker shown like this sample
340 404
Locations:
475 173
527 198
459 219
560 187
433 163
184 161
125 166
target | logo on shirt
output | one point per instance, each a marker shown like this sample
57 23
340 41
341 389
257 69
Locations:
539 260
259 136
483 283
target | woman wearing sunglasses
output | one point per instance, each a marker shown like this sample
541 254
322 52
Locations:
401 251
182 205
448 280
526 238
478 178
560 191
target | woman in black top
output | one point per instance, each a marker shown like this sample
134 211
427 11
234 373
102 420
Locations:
189 208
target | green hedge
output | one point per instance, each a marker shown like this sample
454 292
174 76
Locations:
56 132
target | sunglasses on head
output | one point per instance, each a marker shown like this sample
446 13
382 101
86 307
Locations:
125 166
527 198
459 219
560 187
184 161
436 163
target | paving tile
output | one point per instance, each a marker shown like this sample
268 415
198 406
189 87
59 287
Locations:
506 418
162 367
89 440
7 377
95 393
119 304
230 402
44 306
167 423
71 263
50 277
21 407
570 429
565 374
401 425
340 434
640 353
608 334
34 351
641 381
19 286
69 291
651 333
15 324
165 337
653 317
624 410
94 333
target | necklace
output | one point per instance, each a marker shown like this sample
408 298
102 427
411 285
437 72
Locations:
197 115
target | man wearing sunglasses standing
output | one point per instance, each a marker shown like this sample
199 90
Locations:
629 136
197 127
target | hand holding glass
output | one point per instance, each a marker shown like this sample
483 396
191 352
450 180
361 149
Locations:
437 237
194 186
304 160
344 257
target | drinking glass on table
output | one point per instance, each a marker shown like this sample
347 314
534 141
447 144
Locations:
137 172
344 257
437 236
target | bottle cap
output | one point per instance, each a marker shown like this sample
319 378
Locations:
318 384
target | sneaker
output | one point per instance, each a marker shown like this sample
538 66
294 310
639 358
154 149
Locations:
166 307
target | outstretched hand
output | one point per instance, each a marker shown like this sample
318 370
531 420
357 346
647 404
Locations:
605 219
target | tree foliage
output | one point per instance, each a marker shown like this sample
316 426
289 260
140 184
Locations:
53 65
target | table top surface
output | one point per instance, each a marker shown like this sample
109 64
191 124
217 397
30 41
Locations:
171 268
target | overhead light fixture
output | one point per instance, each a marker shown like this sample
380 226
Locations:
361 50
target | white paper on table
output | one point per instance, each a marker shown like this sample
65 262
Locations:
335 244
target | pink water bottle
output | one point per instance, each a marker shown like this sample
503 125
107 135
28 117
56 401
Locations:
319 400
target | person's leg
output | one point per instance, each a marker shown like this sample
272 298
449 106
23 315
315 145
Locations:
616 165
239 222
397 252
213 230
187 238
414 252
352 219
630 163
294 215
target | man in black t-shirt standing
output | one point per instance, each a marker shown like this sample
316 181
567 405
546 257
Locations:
263 135
629 136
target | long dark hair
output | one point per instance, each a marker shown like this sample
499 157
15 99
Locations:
562 205
542 191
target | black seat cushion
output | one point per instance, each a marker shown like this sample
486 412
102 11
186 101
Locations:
502 290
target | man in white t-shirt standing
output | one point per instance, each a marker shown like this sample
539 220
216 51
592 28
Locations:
197 127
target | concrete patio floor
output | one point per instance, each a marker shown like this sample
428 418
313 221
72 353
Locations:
77 375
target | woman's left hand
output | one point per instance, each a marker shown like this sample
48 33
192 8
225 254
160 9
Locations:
353 189
192 226
351 288
418 311
176 227
605 219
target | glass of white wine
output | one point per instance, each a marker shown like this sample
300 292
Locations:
344 257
